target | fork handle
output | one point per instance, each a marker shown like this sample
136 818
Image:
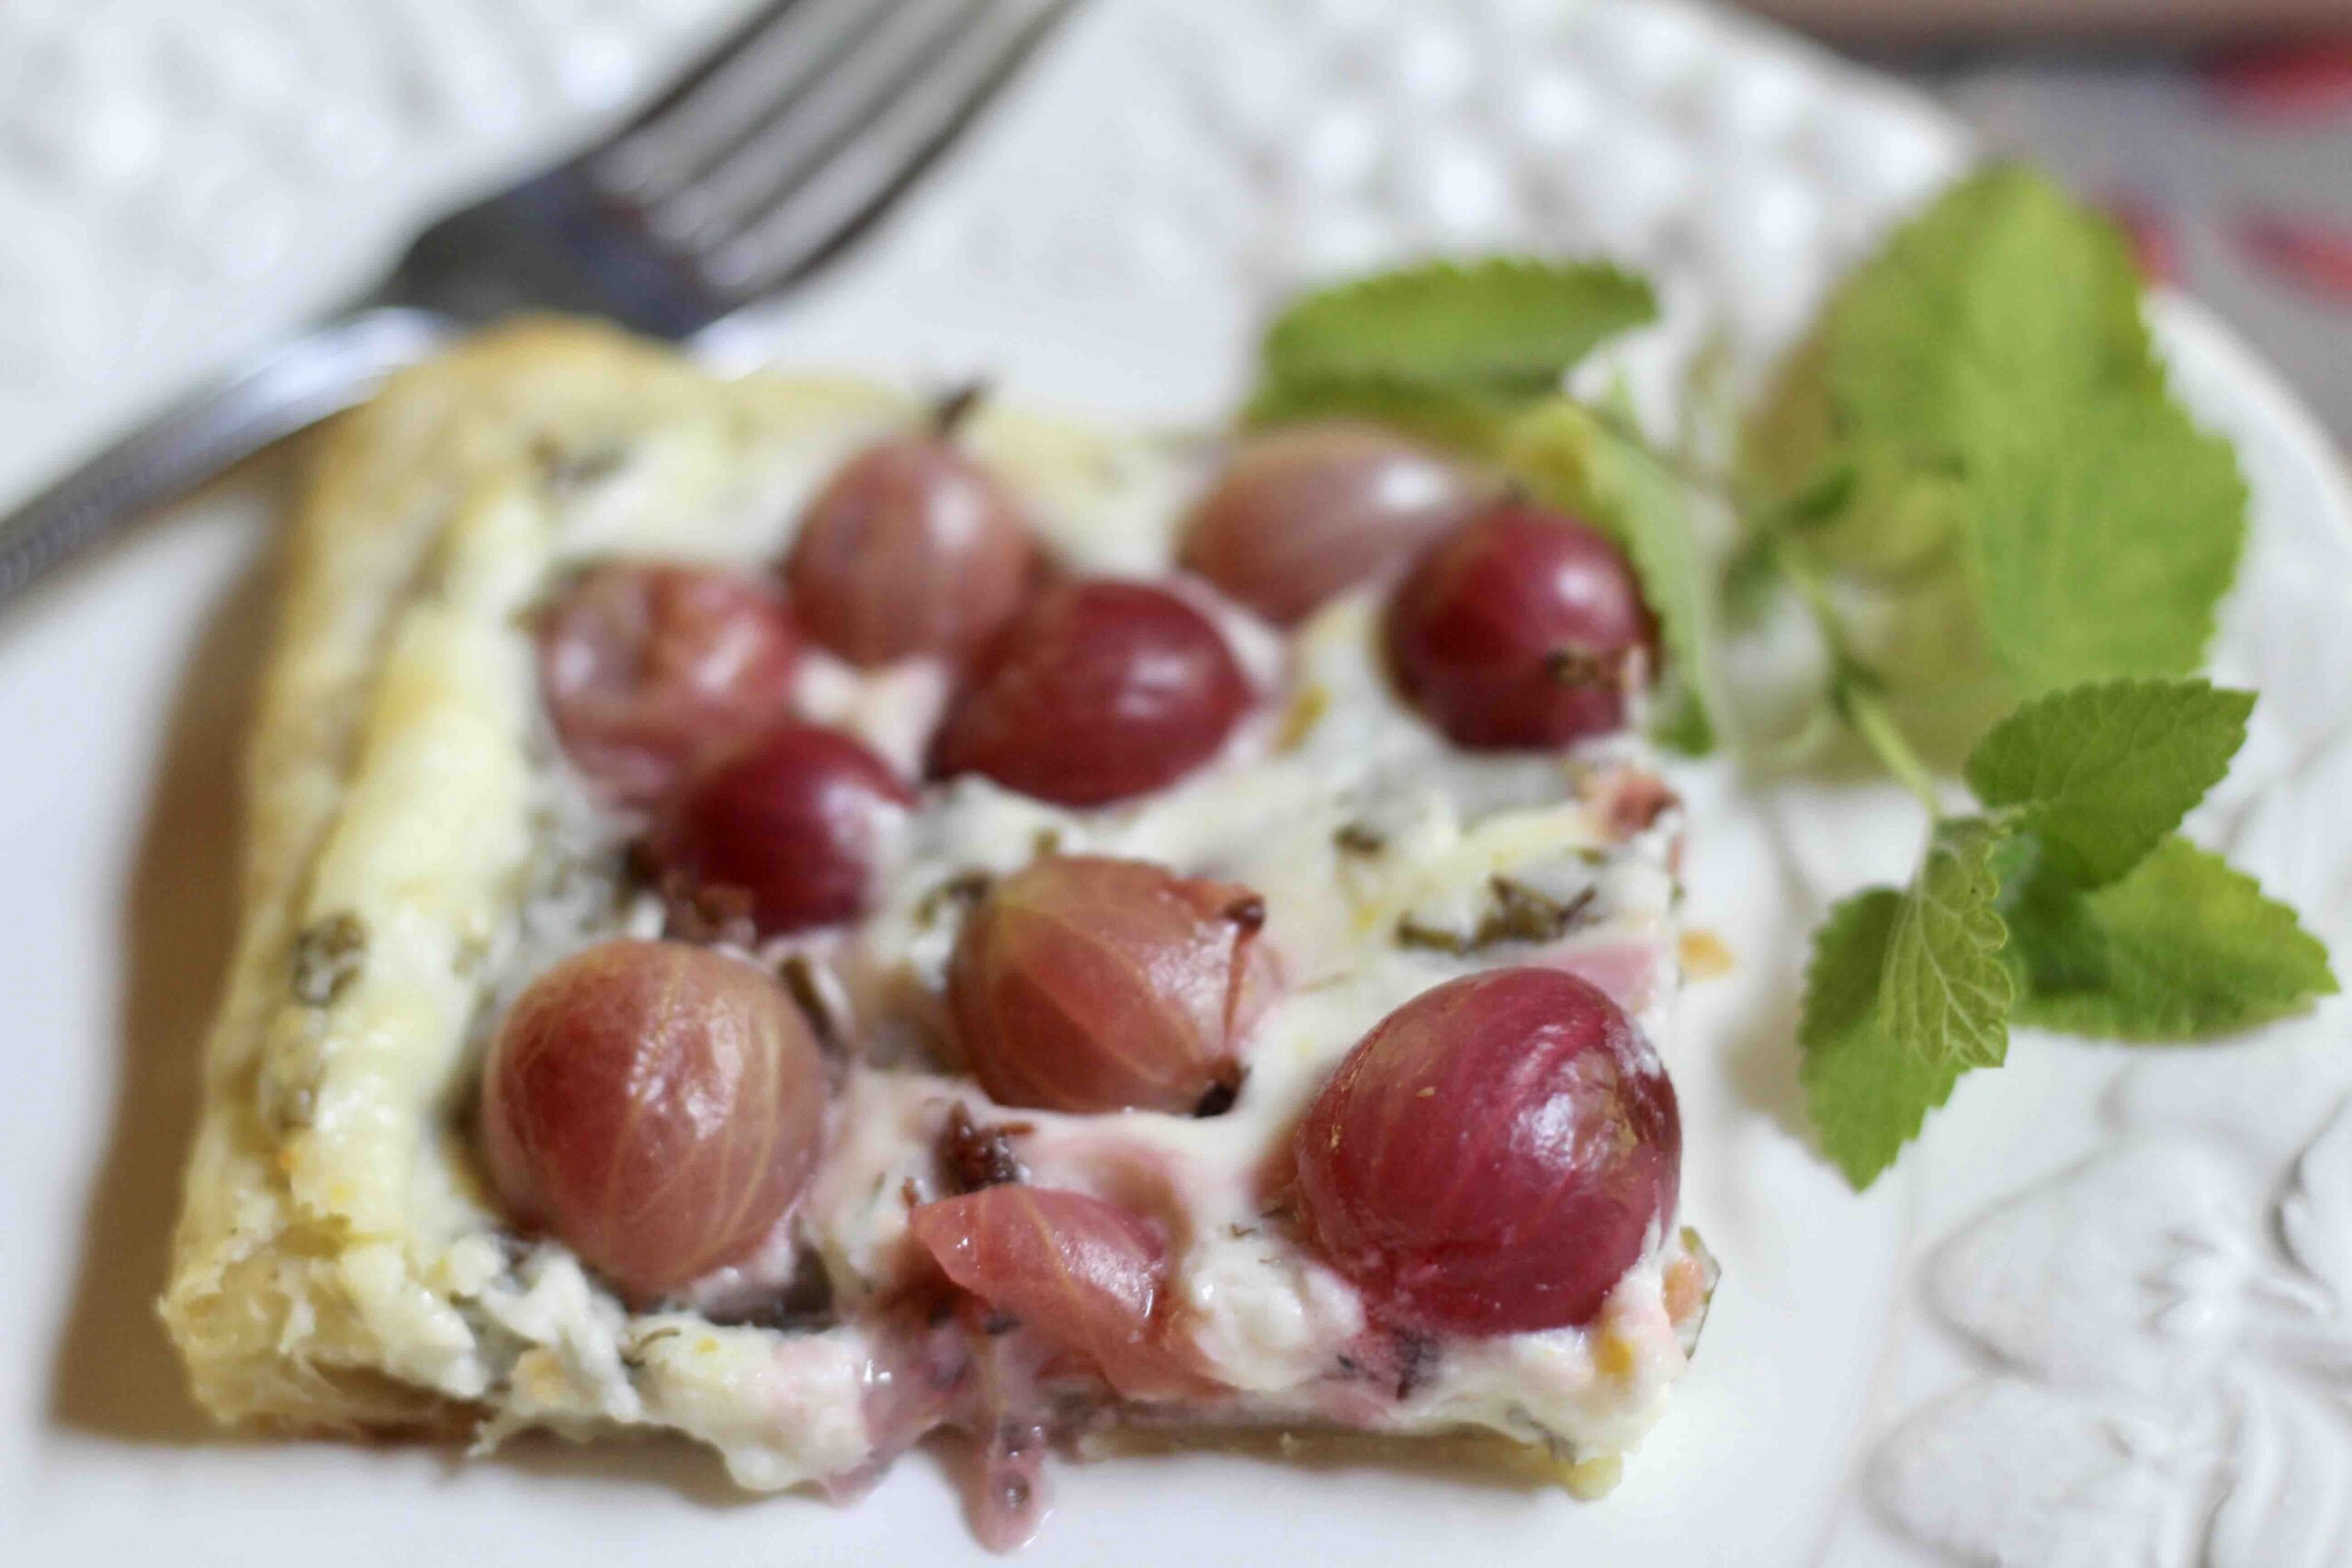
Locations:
271 395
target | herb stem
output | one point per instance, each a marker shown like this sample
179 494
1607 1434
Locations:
1805 576
1854 687
1688 471
1858 702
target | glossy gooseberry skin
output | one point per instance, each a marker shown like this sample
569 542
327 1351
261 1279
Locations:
1302 514
658 1107
1520 628
1085 1273
1101 691
793 824
911 548
1493 1157
1087 984
644 666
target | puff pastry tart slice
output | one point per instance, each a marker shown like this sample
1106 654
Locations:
788 913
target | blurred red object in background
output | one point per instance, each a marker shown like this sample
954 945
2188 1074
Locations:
1924 20
2294 80
2314 256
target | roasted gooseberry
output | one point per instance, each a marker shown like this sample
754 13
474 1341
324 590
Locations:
910 549
1493 1157
642 667
1306 513
658 1107
792 825
1085 1273
1520 627
1100 692
1087 983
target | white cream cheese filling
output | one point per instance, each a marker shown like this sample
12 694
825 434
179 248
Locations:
1379 850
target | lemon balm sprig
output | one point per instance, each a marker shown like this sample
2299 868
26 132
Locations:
1976 436
2069 901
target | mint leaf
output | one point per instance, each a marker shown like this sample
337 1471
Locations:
2003 303
2106 771
1945 994
1987 384
1505 324
1575 461
1997 343
1868 1093
2182 948
2103 544
1906 992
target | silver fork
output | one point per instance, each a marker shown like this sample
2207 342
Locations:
774 151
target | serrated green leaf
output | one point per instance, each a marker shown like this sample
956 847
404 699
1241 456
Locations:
1987 381
1575 461
2104 545
1868 1093
1507 324
2107 771
1995 348
2182 948
2003 302
1945 993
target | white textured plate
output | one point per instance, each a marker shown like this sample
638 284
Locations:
2104 1315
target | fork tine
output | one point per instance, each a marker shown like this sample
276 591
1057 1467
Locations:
819 208
805 127
769 60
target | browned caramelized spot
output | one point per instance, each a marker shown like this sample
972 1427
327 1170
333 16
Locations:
1637 800
327 958
1704 954
567 471
1686 1288
972 1157
706 915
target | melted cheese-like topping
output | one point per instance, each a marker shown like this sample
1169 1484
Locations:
1332 764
